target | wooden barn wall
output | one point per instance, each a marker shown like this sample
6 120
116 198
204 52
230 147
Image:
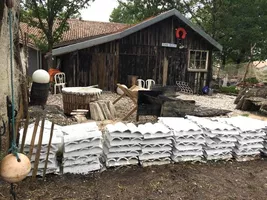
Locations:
91 66
139 54
142 54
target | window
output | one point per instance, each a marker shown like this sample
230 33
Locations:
198 60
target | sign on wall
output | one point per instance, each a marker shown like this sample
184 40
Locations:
169 45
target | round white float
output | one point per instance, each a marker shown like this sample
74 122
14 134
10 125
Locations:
13 171
40 76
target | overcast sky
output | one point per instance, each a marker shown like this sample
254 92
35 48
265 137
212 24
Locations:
99 10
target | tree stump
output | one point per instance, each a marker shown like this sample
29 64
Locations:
102 110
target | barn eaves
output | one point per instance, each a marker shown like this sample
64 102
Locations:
133 29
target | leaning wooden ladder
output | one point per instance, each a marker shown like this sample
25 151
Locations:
132 94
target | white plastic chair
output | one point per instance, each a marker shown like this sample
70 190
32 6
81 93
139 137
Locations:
60 81
150 83
141 83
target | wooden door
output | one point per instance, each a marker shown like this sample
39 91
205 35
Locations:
177 65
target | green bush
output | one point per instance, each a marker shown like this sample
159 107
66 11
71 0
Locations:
252 80
229 90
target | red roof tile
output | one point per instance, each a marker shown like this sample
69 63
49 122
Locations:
79 30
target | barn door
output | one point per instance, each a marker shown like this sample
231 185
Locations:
75 69
177 63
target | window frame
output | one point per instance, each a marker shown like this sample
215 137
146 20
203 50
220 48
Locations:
206 62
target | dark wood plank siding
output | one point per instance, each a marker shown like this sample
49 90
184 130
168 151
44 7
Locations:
140 54
95 65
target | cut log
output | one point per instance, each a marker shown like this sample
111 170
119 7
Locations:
111 109
177 108
249 99
102 110
208 112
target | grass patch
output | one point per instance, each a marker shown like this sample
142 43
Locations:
229 90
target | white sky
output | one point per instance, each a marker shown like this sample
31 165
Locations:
99 10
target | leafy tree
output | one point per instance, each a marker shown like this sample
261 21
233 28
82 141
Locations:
134 11
50 16
239 25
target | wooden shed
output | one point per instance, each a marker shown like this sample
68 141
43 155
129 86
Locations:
166 48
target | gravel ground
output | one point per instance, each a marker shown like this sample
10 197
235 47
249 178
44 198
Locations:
124 105
218 101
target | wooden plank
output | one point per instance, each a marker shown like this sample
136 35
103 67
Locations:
25 129
37 155
36 124
48 149
165 71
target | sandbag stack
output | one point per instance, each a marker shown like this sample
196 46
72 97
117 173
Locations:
220 138
250 138
82 148
56 147
187 139
121 144
156 144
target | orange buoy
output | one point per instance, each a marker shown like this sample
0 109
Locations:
13 171
179 31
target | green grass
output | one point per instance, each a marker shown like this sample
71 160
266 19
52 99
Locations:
229 90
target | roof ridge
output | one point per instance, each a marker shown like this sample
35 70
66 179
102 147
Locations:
82 20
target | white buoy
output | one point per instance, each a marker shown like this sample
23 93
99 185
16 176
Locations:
40 76
13 171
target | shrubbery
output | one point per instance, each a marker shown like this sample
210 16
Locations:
229 90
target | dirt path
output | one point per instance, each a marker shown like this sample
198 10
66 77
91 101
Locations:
230 180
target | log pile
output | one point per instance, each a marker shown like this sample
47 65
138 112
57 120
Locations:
251 99
102 110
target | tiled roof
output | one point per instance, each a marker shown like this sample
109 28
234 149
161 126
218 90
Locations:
133 29
79 30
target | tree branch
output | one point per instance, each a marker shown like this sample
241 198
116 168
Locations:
187 6
39 18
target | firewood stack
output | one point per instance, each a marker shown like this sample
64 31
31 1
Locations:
102 110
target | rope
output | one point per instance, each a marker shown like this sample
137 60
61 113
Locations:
13 149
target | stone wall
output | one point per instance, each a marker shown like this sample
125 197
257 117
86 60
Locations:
5 89
5 84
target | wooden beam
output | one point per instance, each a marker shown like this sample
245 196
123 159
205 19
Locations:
165 71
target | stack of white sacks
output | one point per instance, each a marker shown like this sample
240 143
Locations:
188 139
156 144
220 138
250 138
56 147
121 144
82 148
